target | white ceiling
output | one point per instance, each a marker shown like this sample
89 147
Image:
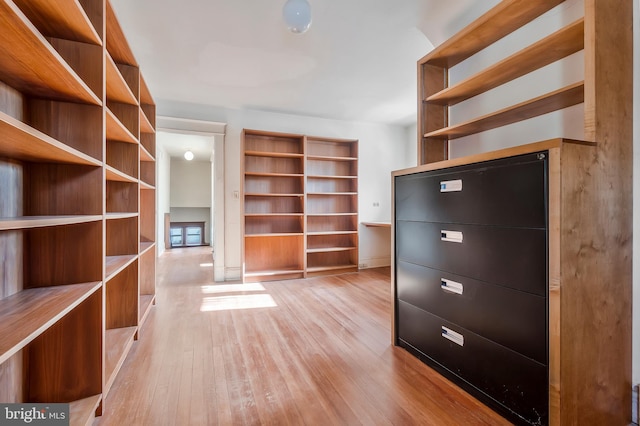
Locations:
357 62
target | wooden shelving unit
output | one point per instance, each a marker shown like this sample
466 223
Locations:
300 205
77 218
589 291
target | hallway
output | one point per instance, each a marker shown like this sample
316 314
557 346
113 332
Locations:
314 352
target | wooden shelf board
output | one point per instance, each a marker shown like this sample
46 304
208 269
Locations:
503 19
122 215
113 265
331 233
31 65
265 174
330 249
377 224
113 174
22 142
274 272
117 45
330 177
146 186
328 158
145 124
64 19
331 214
145 93
83 411
145 246
276 234
273 154
117 342
117 88
27 314
561 44
324 194
145 155
146 302
270 194
329 268
274 214
116 131
554 101
29 222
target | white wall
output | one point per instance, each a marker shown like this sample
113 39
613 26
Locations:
382 148
163 179
190 183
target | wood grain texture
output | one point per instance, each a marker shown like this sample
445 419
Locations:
148 141
11 384
116 42
432 79
498 22
147 262
11 102
122 298
64 363
85 59
122 237
320 356
117 131
553 101
123 157
128 115
117 342
147 215
122 197
145 95
118 89
82 412
30 64
548 50
63 19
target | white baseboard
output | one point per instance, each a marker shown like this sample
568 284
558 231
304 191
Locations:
232 274
376 262
634 405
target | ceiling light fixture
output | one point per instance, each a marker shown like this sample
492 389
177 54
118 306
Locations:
297 15
188 155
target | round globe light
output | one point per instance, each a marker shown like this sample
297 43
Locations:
297 15
188 155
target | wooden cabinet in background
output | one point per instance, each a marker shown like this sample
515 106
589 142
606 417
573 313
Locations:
300 197
77 202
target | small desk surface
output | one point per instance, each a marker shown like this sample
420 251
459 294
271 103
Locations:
378 224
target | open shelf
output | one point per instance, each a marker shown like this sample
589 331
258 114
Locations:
146 301
27 222
500 21
117 343
145 93
117 131
331 232
28 313
145 245
62 19
272 174
82 412
330 249
113 174
42 73
316 269
556 100
273 154
115 264
329 158
377 224
23 142
116 42
559 45
117 88
145 124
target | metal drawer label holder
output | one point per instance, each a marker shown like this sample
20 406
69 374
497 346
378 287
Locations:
451 236
449 334
451 185
451 286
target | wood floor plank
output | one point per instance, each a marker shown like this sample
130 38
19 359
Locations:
295 352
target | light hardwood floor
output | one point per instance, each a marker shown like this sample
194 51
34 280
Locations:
297 352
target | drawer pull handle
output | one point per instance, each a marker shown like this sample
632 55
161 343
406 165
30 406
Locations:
451 185
449 334
451 236
451 286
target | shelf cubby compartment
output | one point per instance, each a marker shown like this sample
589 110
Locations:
332 223
27 222
332 184
273 224
45 72
331 166
335 261
285 164
147 263
274 257
332 203
273 184
148 173
116 42
123 158
271 144
67 19
147 146
147 216
147 109
264 204
127 117
122 196
122 245
332 148
116 131
122 82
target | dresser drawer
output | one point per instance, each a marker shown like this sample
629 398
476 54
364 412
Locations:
509 379
506 192
512 318
512 257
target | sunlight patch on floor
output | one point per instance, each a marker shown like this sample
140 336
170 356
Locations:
232 288
239 301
